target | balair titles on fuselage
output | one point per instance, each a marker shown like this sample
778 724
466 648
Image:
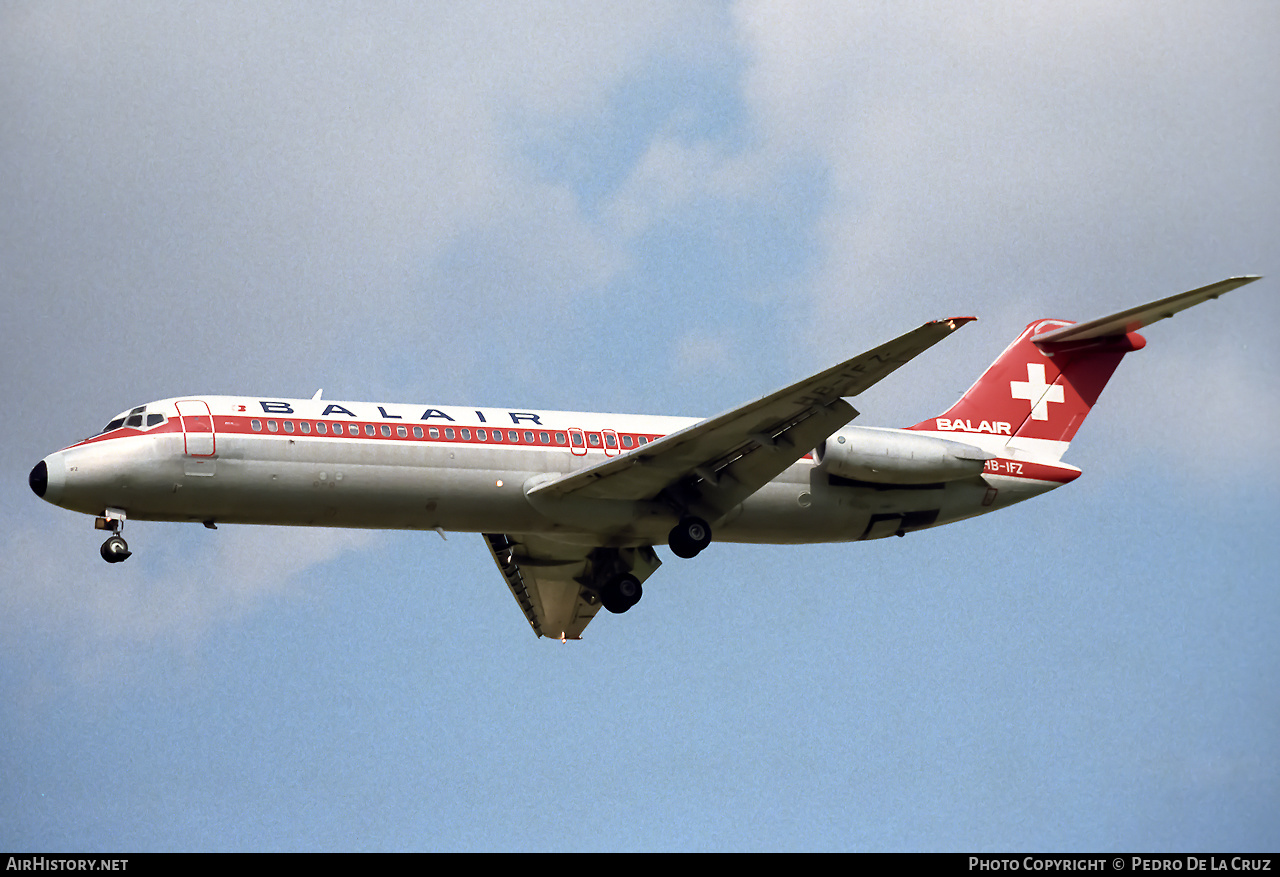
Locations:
334 410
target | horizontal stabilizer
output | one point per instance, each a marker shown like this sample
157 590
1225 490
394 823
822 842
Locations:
1143 315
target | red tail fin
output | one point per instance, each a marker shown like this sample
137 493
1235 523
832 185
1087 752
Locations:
1039 391
1036 395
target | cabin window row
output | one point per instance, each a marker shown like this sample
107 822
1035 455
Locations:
450 433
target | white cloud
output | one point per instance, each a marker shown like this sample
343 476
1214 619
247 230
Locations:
962 140
704 354
673 175
101 618
277 182
1018 160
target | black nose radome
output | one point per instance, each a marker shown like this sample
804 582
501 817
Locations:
39 479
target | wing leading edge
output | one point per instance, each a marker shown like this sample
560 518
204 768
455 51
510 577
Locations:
738 452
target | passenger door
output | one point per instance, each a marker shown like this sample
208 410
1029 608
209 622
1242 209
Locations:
198 435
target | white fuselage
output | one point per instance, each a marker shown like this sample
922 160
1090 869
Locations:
314 462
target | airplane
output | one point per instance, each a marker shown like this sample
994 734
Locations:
571 504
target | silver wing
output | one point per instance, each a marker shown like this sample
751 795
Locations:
706 469
735 454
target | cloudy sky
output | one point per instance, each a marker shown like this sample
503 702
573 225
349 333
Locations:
660 208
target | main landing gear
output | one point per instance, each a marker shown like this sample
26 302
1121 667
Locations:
689 537
115 549
620 593
622 590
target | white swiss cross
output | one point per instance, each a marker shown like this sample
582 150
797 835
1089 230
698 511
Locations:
1033 389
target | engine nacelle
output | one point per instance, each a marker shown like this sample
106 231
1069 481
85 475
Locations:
887 456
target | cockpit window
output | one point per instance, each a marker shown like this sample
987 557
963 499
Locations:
135 418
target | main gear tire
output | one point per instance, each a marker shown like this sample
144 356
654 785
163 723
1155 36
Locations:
621 593
689 537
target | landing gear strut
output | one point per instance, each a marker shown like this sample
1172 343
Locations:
115 549
689 537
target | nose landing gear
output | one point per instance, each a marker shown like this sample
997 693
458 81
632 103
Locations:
115 549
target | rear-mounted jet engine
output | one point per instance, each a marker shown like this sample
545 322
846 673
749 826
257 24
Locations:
889 457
